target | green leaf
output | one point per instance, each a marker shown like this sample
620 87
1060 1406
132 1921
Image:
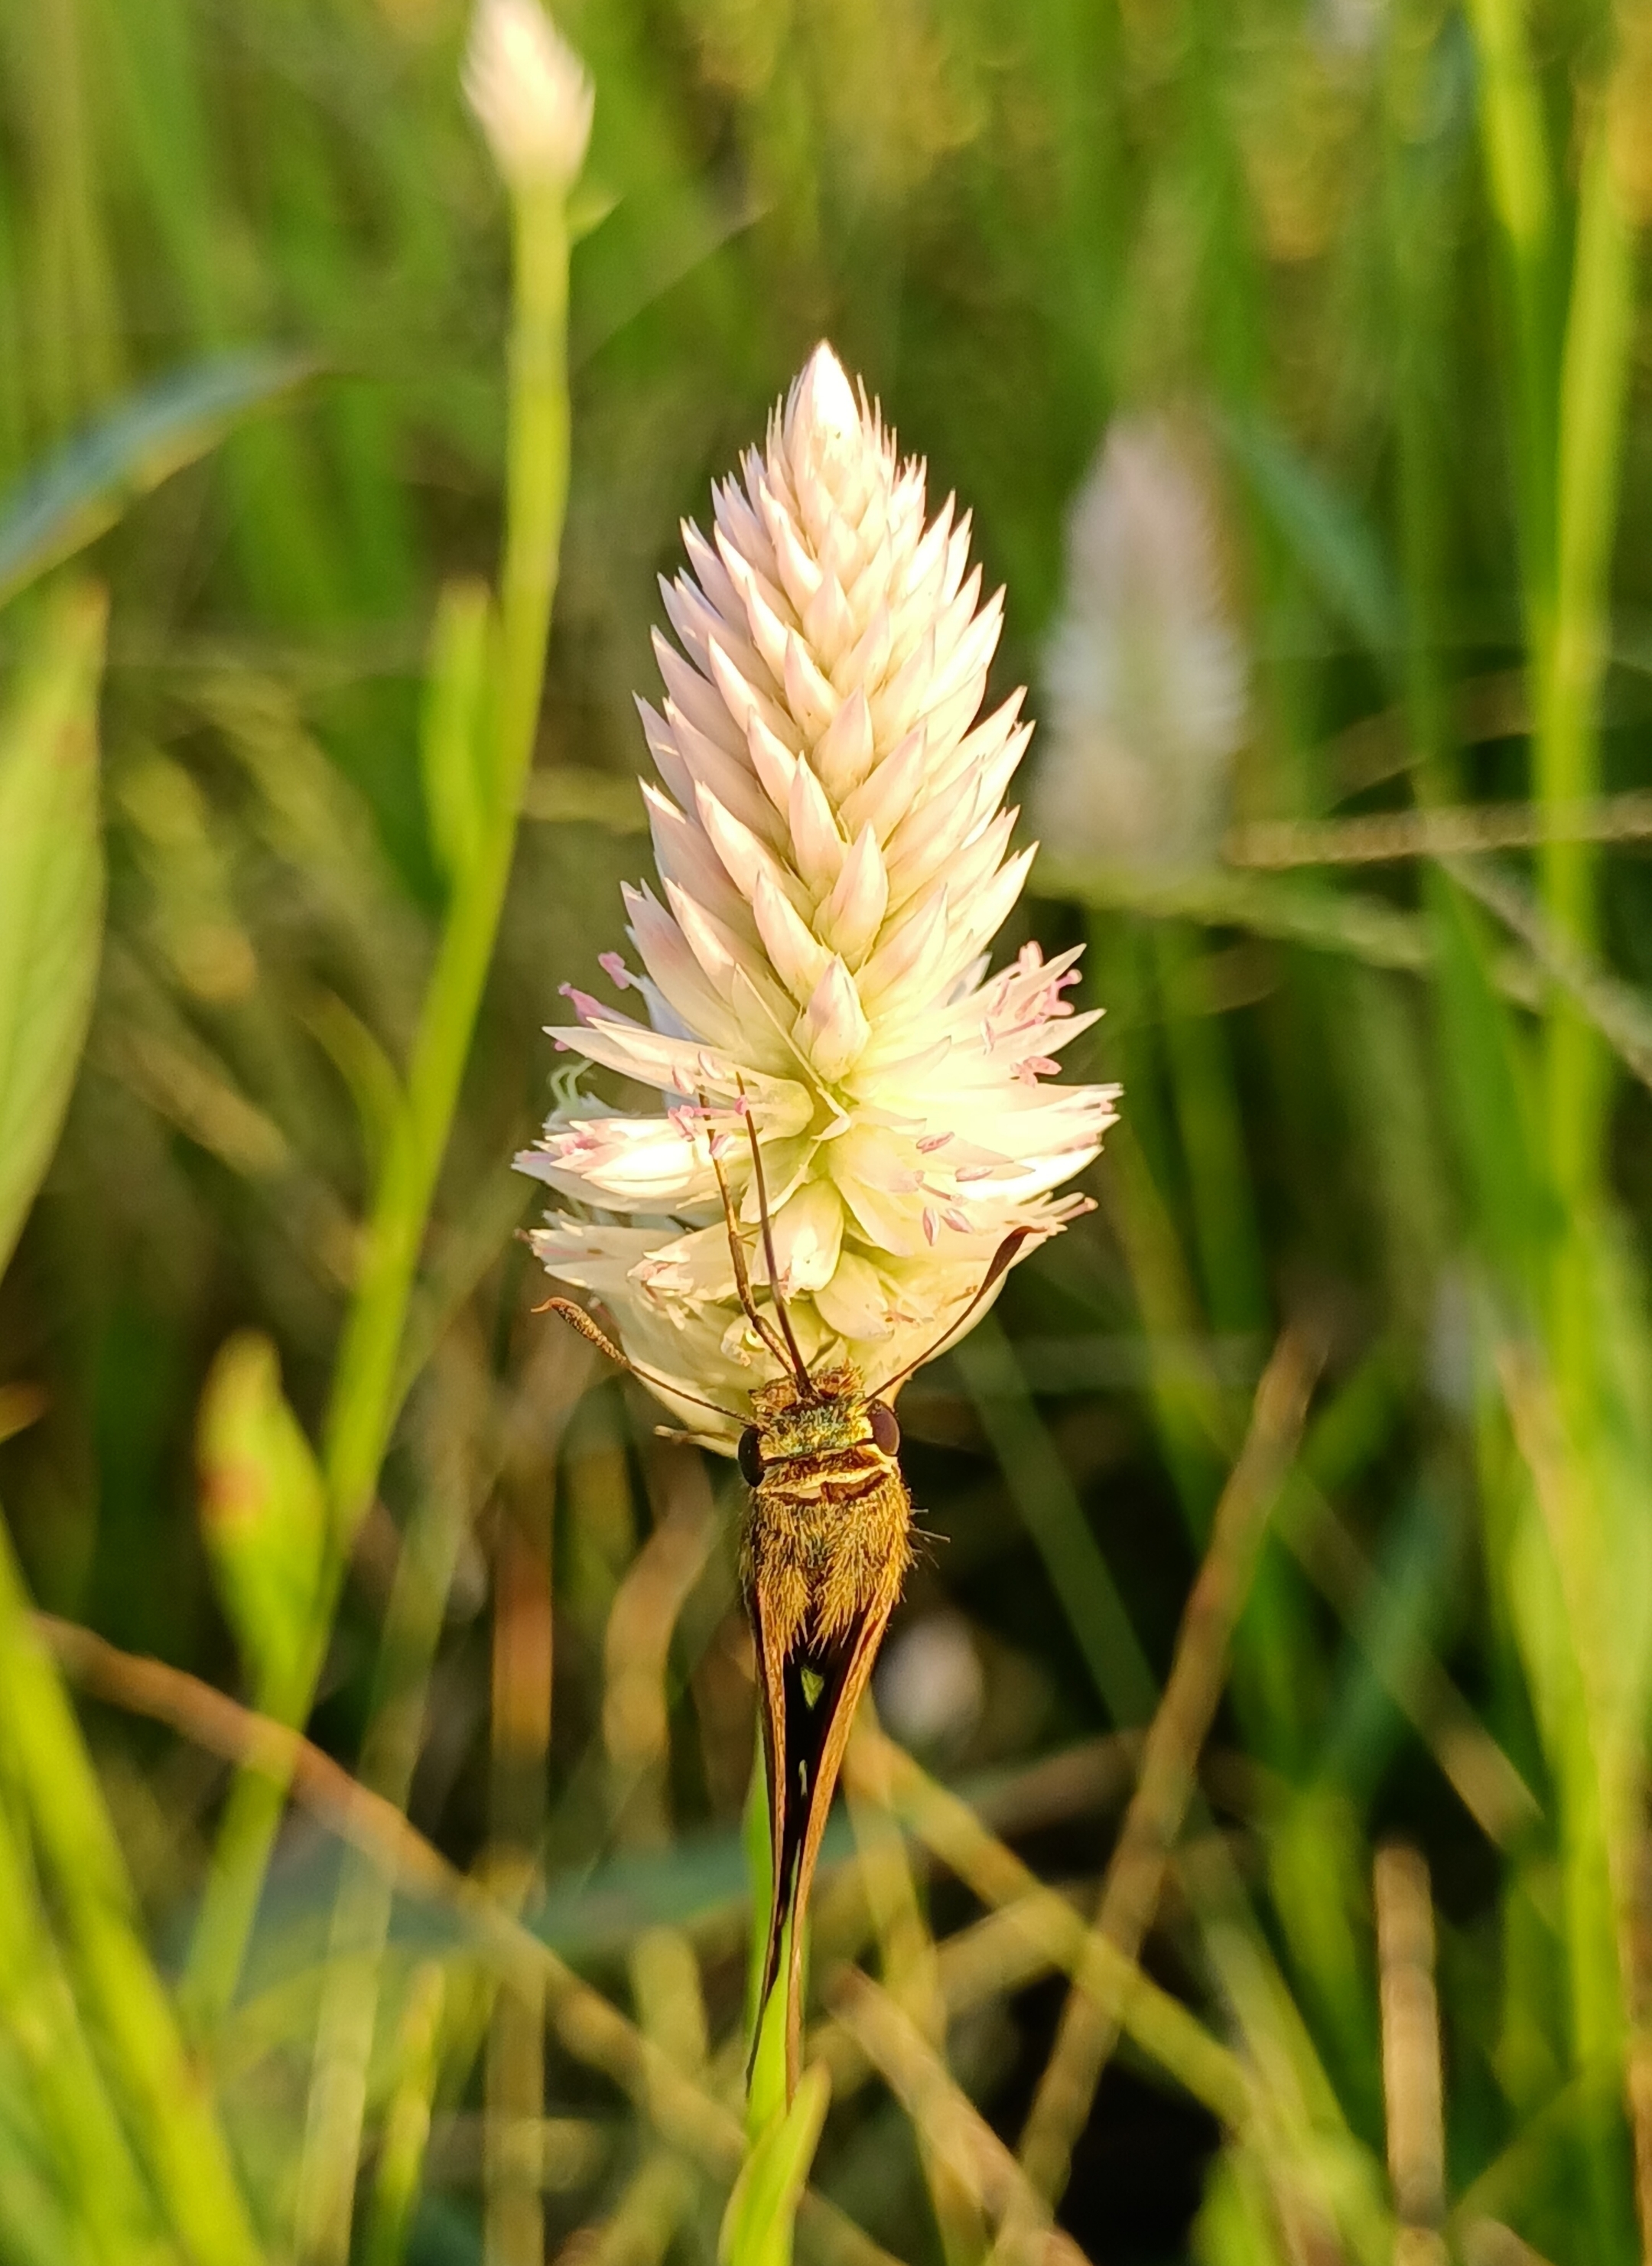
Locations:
51 890
263 1511
762 2208
455 744
1336 548
84 488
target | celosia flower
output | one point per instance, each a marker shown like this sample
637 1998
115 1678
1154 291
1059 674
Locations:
834 860
1146 674
529 93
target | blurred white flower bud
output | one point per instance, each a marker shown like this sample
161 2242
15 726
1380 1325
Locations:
530 92
1145 673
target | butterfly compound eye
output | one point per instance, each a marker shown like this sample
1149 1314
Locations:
749 1457
885 1429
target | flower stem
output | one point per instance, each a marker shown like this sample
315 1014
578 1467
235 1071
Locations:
364 1401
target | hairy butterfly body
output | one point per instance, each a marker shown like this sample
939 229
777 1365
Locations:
827 1550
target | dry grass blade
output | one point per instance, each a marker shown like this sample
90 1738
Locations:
945 2119
1278 846
912 1976
664 1975
1160 2024
513 2214
1413 2079
1619 1013
644 2221
562 2153
590 2028
1489 2242
1193 1411
636 1649
1135 1875
1488 1784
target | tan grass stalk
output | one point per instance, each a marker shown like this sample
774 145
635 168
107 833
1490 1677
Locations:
912 1976
664 1975
1280 845
1193 1410
943 2116
1486 1782
1487 2242
1135 1875
565 2152
1159 2024
637 1648
1412 2080
513 2214
591 2029
643 2224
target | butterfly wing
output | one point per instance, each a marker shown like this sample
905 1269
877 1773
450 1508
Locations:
823 1573
771 1683
830 1720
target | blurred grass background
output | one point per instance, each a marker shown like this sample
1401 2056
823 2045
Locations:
1378 258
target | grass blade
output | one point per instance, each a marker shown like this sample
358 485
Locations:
51 892
80 493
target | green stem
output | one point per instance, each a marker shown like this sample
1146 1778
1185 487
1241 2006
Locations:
1520 176
1569 433
1225 1229
362 1907
362 1410
401 2167
1414 190
364 1402
1593 383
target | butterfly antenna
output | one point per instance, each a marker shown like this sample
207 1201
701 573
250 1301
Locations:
582 1322
798 1362
737 1254
1001 1260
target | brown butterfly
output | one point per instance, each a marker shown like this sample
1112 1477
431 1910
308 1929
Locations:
826 1548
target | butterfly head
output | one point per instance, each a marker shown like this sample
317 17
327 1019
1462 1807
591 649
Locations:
835 1424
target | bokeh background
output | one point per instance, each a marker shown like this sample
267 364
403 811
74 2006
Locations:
1288 356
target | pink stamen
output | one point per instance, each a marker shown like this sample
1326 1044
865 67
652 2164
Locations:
583 1006
1030 1068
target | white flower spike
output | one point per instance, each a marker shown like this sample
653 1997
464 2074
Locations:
529 93
834 860
1146 671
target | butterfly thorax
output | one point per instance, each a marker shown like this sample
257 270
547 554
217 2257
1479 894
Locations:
828 1537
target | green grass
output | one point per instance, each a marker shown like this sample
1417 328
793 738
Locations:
256 318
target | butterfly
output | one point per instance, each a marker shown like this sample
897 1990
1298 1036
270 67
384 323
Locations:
825 1551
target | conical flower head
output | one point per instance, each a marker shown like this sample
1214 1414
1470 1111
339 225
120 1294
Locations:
833 859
